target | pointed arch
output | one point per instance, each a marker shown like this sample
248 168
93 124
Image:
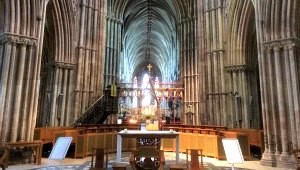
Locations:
242 66
57 65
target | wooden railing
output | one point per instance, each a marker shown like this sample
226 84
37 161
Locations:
99 110
87 137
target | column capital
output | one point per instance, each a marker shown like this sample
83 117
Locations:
23 42
238 68
286 43
60 64
17 39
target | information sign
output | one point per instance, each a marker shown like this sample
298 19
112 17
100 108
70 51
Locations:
60 148
232 150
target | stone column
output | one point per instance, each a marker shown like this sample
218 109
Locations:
280 120
271 118
7 43
80 61
24 113
281 98
18 90
10 91
112 50
294 71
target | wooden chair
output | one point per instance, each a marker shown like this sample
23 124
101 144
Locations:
147 158
297 156
100 157
194 159
4 154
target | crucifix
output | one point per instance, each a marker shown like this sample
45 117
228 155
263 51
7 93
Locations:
149 67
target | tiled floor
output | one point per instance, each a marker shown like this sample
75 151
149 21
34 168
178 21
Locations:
84 164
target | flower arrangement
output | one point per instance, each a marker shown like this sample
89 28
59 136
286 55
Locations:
145 118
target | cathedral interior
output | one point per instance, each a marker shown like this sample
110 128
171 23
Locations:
229 63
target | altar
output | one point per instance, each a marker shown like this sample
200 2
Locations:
145 135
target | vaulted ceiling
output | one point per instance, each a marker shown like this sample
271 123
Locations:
149 35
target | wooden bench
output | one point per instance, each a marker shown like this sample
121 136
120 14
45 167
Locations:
37 145
4 157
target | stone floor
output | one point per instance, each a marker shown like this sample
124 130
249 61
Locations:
84 164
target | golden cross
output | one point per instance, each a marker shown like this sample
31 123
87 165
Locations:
149 67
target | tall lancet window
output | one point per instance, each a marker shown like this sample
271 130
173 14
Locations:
135 99
146 90
156 84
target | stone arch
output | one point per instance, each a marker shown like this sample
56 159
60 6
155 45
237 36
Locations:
57 66
242 67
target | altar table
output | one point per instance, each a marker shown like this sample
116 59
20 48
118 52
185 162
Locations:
145 134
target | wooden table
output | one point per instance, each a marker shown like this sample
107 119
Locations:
37 145
145 134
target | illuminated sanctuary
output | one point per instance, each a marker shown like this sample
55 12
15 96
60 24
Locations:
149 99
210 68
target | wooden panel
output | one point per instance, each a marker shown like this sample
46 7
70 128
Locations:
59 134
80 149
168 144
193 141
245 147
48 133
111 141
37 134
63 133
91 143
100 140
131 144
210 148
220 149
184 142
125 144
108 141
201 141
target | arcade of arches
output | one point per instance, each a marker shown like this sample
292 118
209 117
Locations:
233 62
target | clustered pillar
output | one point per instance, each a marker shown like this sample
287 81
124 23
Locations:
19 70
279 80
89 75
281 107
216 94
16 52
189 58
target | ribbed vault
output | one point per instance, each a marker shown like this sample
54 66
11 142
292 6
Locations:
149 36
